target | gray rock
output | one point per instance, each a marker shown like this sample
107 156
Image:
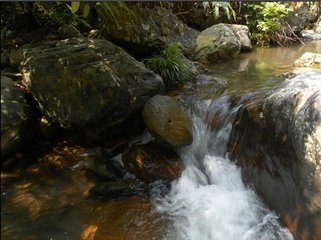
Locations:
301 17
277 141
166 120
311 35
16 119
140 29
243 34
216 43
88 84
309 59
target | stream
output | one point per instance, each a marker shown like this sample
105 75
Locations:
208 202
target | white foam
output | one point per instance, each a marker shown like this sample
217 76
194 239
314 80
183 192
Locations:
210 201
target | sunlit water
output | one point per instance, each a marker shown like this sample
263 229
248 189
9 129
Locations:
209 201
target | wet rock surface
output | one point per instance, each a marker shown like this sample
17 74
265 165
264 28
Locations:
88 84
151 162
242 32
215 44
140 29
277 141
301 17
167 121
17 119
118 189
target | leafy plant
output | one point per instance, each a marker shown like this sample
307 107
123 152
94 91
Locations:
266 21
113 9
79 12
216 7
172 66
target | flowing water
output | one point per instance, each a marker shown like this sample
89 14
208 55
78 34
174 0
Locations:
209 201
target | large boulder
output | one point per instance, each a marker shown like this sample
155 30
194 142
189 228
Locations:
88 84
166 120
301 17
17 122
151 162
143 30
216 43
277 141
243 34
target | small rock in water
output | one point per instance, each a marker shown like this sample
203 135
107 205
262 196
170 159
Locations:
151 162
118 189
167 121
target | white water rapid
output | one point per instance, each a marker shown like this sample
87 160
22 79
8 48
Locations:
210 201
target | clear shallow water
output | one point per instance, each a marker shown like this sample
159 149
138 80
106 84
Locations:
208 202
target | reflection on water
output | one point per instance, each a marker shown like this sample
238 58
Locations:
260 68
38 202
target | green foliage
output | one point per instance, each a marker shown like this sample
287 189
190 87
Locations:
266 21
172 66
113 9
216 7
79 11
6 33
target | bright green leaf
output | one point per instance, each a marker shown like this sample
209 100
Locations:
86 10
75 6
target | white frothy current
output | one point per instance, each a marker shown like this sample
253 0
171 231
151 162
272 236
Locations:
210 201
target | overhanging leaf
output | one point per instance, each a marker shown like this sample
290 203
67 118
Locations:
75 6
86 10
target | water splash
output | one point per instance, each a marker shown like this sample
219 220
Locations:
210 201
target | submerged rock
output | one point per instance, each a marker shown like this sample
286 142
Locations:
167 121
88 84
151 162
143 30
277 141
216 43
17 120
118 189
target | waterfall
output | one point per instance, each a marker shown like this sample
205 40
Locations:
209 201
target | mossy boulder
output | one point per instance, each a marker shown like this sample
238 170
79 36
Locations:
17 121
88 84
166 121
216 43
143 30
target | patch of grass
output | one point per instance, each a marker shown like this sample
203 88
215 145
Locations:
172 66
